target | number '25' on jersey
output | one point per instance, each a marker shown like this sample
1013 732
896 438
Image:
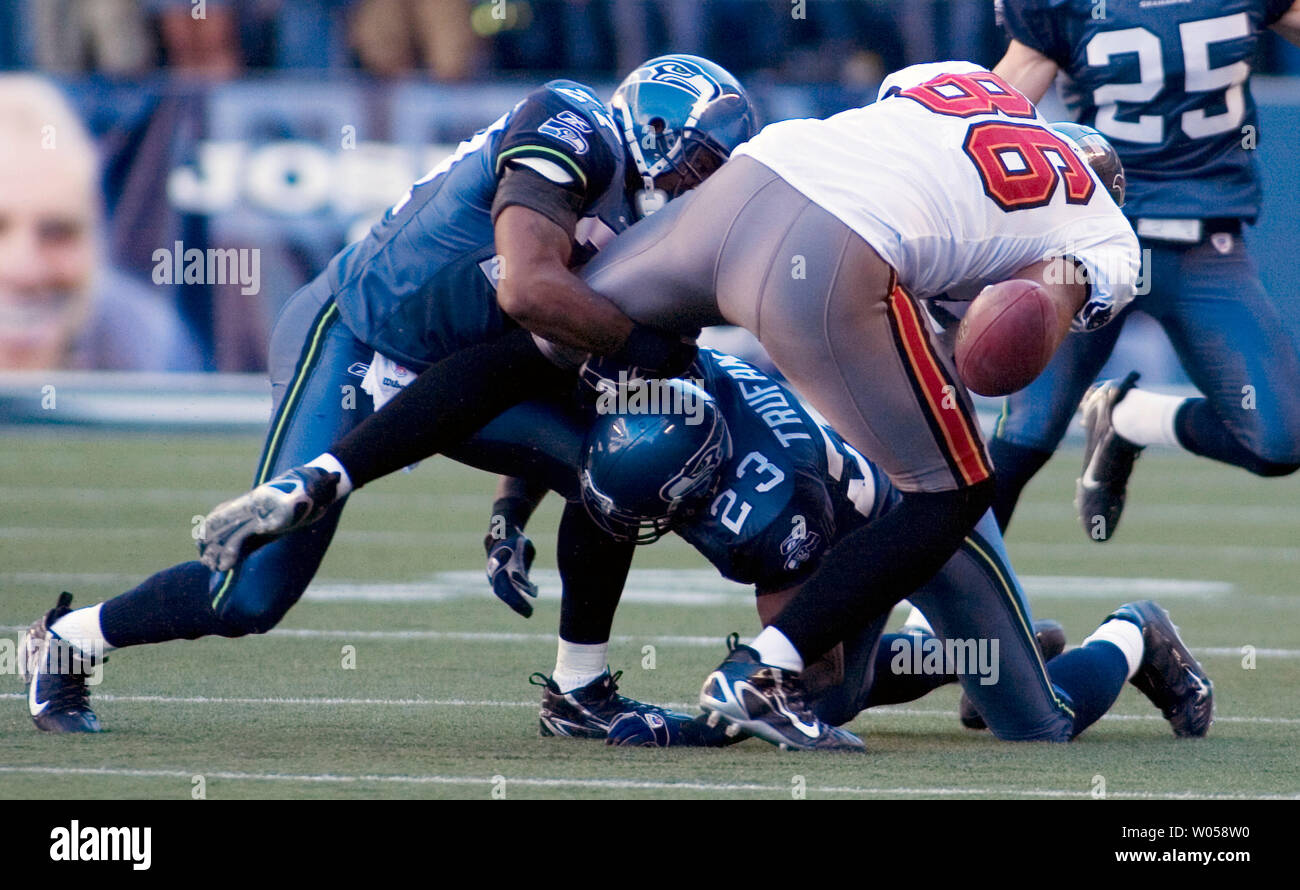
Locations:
1167 83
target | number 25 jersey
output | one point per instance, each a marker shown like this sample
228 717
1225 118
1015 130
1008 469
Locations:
1167 83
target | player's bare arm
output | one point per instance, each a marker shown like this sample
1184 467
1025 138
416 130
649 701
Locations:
538 290
1063 285
1027 70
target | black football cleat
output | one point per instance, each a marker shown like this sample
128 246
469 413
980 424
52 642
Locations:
768 702
588 712
1169 675
1107 460
1050 637
55 671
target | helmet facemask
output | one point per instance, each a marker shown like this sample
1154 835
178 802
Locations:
679 117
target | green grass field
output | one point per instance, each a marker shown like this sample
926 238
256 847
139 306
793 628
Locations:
438 703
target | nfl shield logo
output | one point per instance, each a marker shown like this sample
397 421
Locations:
1222 242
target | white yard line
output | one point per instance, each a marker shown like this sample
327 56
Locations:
490 782
320 701
671 587
1179 513
687 641
1257 553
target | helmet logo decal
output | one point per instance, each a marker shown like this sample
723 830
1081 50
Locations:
692 80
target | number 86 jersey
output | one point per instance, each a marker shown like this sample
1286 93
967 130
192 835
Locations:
957 181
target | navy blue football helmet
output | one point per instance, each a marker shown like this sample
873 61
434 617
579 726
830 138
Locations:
680 117
640 470
1095 150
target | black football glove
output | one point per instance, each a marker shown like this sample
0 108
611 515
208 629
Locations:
508 562
671 730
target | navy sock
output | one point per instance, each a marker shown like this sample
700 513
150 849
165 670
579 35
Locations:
874 566
1201 431
594 568
1015 465
1092 677
174 604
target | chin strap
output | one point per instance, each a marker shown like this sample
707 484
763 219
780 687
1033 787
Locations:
649 200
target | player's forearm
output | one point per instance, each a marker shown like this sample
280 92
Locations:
1027 70
1064 286
1289 25
559 306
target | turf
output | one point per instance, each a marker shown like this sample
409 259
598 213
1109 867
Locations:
438 704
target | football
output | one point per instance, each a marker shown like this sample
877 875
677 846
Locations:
1007 337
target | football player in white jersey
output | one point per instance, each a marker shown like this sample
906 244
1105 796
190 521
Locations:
820 237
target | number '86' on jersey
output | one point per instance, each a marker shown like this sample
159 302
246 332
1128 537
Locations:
956 181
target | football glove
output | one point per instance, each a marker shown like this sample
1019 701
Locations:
508 562
648 352
651 730
290 501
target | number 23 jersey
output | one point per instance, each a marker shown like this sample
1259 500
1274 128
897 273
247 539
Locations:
955 179
789 490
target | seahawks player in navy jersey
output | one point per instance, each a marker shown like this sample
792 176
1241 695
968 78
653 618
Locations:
762 490
1168 84
484 240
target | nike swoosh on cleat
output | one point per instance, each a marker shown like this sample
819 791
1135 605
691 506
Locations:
37 708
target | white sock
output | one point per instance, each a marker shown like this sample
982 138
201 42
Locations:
577 664
80 627
1125 635
775 648
1147 418
330 463
916 619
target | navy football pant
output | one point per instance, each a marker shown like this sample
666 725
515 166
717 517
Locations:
977 601
316 366
1232 343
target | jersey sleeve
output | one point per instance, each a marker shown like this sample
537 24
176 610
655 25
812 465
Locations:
1038 24
556 136
1113 269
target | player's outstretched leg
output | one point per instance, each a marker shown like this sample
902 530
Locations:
56 672
1050 637
1108 460
769 702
